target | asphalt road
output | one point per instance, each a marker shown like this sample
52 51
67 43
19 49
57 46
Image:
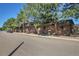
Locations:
35 46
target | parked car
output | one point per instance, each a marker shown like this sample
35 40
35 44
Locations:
10 31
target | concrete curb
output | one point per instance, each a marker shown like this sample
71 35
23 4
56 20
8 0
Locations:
53 37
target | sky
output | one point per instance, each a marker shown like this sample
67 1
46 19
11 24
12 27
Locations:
8 10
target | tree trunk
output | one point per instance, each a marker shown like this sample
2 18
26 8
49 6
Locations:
19 29
23 28
56 29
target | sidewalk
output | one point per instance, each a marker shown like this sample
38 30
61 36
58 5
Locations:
54 37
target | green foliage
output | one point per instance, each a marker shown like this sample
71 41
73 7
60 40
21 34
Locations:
1 29
21 17
43 12
10 23
71 10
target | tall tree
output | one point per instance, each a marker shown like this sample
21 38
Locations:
21 17
43 13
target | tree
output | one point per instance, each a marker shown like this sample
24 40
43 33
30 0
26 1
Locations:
70 10
43 13
10 24
21 17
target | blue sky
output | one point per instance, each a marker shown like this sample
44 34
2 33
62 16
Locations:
8 10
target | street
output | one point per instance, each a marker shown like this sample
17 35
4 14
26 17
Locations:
36 46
